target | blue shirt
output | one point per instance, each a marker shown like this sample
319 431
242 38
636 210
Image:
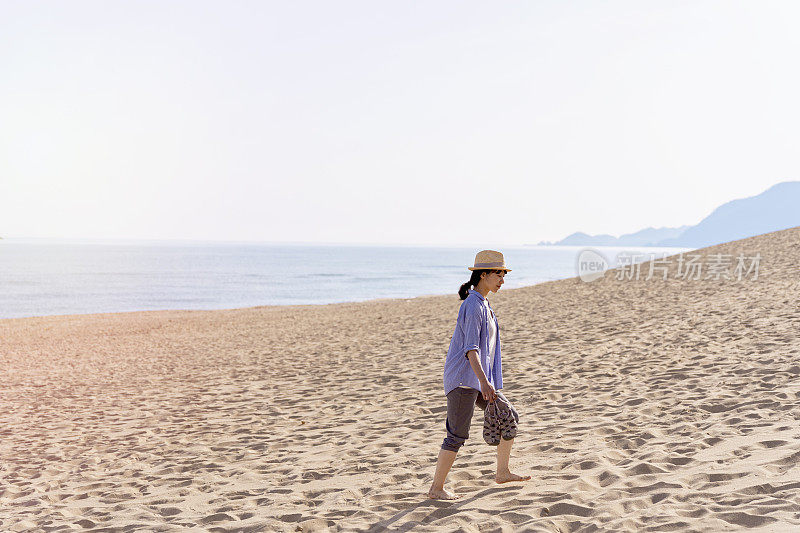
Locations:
471 333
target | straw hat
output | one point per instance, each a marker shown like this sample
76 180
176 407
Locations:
489 260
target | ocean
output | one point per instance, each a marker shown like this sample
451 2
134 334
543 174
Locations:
71 277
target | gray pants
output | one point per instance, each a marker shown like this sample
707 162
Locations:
460 407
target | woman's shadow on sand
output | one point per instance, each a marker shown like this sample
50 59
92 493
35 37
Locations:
443 509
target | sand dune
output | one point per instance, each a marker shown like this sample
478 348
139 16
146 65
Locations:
645 406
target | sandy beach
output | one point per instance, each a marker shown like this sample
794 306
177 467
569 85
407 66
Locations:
645 405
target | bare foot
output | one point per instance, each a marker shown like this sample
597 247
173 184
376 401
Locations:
508 476
442 494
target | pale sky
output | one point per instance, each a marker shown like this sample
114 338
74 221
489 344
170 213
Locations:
389 122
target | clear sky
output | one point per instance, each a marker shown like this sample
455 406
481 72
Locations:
390 122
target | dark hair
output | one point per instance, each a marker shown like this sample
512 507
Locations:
463 292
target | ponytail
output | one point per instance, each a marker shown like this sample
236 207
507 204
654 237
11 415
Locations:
463 292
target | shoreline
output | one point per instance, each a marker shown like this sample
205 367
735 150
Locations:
276 306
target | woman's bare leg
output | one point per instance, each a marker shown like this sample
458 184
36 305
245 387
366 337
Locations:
443 464
504 475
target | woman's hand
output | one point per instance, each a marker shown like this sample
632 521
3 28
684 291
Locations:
488 391
489 394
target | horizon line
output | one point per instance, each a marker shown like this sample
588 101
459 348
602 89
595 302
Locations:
133 240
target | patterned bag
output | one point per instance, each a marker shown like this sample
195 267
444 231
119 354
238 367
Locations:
498 421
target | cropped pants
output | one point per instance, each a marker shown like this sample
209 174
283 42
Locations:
460 407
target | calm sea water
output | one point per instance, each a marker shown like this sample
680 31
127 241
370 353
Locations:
53 278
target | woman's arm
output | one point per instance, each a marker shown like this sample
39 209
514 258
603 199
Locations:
489 394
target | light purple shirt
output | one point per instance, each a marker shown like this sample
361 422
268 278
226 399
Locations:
472 333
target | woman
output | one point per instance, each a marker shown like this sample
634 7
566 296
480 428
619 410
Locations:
473 371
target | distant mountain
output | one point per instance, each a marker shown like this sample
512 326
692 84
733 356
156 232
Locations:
578 238
645 237
775 209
